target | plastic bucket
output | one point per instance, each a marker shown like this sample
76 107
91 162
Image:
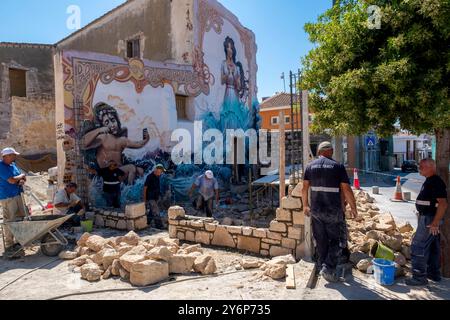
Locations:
384 271
380 251
87 225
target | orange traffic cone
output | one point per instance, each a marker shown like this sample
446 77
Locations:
356 184
398 194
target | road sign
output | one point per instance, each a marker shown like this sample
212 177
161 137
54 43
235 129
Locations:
370 141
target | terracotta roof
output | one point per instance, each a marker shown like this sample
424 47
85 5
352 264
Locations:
279 100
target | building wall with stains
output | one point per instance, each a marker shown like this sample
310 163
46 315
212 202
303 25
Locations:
110 107
27 118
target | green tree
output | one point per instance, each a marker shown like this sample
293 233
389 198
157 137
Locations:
362 76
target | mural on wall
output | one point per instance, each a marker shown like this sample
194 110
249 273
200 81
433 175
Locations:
124 110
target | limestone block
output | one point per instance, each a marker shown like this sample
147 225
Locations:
274 235
234 229
205 265
277 226
67 255
141 223
247 231
202 237
298 218
288 243
211 227
121 225
91 272
190 236
291 203
283 215
260 233
149 272
181 263
297 192
160 253
295 233
279 251
223 238
95 243
249 243
176 212
135 210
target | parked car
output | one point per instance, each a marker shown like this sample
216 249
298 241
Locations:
410 165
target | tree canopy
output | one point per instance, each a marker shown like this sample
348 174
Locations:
363 78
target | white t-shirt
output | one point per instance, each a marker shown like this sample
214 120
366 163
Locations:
61 197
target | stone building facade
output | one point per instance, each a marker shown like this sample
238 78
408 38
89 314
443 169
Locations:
27 117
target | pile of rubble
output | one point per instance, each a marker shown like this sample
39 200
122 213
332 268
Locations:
139 260
373 227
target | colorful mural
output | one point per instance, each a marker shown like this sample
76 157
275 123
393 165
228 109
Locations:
124 110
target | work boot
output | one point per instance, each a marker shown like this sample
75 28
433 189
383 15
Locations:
416 282
329 276
435 278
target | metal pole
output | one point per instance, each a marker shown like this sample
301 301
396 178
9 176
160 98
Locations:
282 166
305 130
250 195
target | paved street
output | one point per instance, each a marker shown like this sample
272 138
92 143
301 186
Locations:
411 182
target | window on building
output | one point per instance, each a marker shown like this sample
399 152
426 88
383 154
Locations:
274 120
181 102
18 82
134 48
287 119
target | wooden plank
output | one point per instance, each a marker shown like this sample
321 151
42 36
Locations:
290 277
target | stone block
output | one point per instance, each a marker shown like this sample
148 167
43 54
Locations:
247 231
288 243
223 238
176 212
291 203
234 229
260 233
298 218
141 223
205 265
121 225
198 224
130 225
190 236
283 215
265 246
181 264
180 235
172 231
276 251
297 192
295 233
202 237
277 226
271 241
211 227
249 244
99 221
274 235
149 272
135 210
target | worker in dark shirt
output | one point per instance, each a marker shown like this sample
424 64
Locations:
327 180
112 179
431 204
152 193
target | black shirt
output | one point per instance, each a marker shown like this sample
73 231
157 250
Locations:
433 188
325 177
111 182
153 187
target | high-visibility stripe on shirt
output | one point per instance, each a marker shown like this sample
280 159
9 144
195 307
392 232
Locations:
325 189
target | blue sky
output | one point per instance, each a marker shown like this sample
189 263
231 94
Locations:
278 25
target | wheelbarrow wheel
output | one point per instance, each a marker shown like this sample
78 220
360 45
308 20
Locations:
52 249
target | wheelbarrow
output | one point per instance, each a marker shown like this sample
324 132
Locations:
39 231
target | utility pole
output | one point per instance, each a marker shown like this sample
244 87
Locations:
282 168
284 81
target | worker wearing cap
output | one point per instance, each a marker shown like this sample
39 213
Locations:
431 204
152 193
11 188
327 180
208 187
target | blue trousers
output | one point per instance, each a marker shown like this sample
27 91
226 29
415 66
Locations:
425 251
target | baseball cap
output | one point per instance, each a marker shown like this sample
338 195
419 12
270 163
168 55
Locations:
209 174
325 146
160 166
8 151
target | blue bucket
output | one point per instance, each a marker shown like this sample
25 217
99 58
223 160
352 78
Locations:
384 271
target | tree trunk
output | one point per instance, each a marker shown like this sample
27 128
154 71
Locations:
443 161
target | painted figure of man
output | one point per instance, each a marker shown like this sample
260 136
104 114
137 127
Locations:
110 140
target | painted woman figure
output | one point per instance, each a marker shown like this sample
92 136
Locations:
234 115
